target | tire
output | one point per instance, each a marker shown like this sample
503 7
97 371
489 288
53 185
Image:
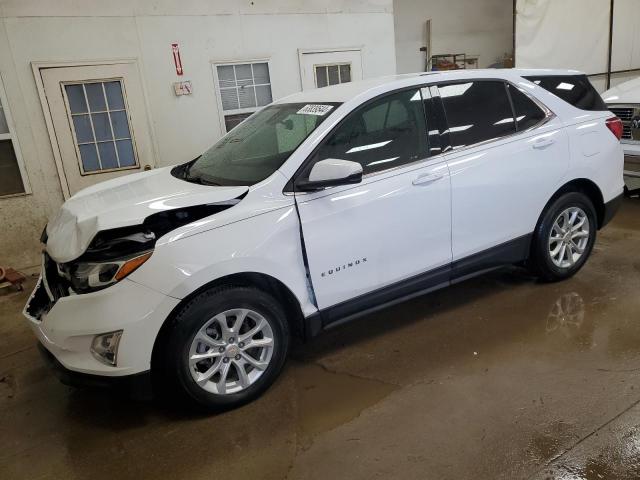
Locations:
227 352
563 264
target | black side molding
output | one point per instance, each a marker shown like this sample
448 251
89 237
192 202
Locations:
513 251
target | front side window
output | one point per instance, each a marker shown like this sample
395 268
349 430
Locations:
477 111
383 134
244 88
257 147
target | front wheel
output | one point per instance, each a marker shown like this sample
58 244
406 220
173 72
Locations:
226 347
564 237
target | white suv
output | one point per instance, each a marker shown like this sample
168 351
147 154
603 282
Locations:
319 208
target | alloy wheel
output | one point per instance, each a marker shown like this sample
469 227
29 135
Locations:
569 237
231 351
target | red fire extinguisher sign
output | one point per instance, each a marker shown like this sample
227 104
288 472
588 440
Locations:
176 58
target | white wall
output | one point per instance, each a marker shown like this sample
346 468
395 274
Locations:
475 27
553 34
67 30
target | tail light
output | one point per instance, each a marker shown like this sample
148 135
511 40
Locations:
615 125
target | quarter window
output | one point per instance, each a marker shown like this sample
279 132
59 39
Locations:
244 88
574 89
528 114
477 111
384 134
332 74
11 176
102 135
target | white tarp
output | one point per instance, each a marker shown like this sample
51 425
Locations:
575 34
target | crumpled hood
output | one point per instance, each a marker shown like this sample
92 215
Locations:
122 202
627 92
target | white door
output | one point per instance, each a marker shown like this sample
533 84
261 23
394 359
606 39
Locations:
321 69
99 120
396 224
501 175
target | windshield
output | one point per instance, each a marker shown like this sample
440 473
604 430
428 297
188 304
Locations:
257 147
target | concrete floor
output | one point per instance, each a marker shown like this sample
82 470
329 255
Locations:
499 377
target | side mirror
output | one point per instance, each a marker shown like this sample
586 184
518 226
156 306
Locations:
331 172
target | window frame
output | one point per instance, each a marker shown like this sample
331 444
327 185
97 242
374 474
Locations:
76 144
12 136
448 148
222 113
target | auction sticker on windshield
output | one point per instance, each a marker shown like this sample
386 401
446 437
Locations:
312 109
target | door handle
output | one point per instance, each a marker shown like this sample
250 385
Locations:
543 143
427 178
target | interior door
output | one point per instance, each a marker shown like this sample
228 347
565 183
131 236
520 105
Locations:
392 227
321 69
99 120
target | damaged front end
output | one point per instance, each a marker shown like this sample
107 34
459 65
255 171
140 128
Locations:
111 256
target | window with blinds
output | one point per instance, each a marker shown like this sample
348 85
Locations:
244 88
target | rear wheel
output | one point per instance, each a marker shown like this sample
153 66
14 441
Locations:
226 347
564 237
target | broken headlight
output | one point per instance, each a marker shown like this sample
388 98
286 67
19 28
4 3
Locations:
91 276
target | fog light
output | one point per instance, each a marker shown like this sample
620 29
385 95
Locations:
105 347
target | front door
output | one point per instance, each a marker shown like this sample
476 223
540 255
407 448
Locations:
323 68
393 229
99 121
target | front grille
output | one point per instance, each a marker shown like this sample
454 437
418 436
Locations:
623 113
626 132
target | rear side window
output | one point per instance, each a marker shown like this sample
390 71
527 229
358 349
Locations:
477 111
574 89
384 134
528 114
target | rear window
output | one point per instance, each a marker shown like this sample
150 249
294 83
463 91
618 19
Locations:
574 89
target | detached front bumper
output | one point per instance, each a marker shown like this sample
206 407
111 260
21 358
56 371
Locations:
67 328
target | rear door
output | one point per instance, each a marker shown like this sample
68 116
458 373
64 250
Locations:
395 226
506 157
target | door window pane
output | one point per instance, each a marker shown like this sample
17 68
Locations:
89 157
125 153
10 178
82 126
113 91
77 102
107 151
95 94
384 134
528 114
103 137
477 111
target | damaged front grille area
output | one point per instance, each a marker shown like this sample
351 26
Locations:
51 288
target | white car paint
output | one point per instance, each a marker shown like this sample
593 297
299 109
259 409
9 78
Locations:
397 224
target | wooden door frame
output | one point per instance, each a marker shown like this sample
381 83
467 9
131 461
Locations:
38 66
